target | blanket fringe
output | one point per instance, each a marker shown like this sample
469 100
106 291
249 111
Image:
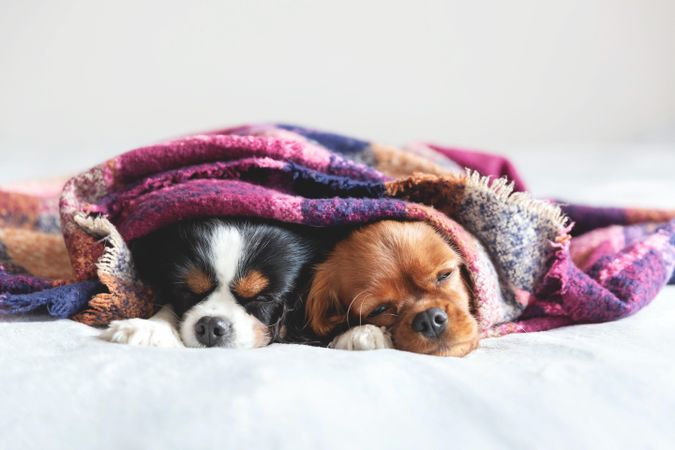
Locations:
112 261
502 188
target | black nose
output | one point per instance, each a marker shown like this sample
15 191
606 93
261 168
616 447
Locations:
212 331
431 323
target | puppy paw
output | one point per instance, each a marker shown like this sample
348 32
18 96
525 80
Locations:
363 337
142 332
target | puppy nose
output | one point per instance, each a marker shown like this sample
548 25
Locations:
430 323
212 331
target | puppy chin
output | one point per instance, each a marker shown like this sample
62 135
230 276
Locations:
247 331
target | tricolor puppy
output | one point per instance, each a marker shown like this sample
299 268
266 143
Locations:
405 282
221 283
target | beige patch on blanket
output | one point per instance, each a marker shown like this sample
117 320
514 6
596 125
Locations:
398 163
41 254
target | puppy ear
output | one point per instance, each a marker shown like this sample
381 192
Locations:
468 285
323 308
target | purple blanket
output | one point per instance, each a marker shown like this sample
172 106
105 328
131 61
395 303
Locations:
534 264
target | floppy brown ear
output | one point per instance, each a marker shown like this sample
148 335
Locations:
323 308
468 283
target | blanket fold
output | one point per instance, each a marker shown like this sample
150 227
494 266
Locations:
534 264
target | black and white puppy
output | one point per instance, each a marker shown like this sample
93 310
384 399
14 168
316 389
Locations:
229 283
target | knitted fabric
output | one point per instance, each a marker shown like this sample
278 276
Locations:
528 272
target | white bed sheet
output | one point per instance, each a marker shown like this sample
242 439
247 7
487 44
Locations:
607 385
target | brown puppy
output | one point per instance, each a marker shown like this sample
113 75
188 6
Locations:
401 277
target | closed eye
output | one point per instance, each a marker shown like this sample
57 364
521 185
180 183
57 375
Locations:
444 275
182 289
258 299
377 311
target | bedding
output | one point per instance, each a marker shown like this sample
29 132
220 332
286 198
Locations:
585 386
604 385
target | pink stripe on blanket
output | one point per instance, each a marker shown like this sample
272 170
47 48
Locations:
208 148
588 248
214 170
485 163
638 251
207 198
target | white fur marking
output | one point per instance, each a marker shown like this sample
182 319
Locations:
158 331
226 247
363 337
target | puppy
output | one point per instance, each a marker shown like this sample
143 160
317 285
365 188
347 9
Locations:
401 279
221 283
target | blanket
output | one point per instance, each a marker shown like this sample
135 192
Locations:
535 264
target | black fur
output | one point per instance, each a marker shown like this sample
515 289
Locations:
284 254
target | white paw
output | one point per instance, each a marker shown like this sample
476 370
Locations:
363 337
142 332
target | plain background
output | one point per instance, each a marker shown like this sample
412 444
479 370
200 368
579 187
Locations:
82 80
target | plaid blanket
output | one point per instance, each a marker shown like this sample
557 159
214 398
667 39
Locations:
534 264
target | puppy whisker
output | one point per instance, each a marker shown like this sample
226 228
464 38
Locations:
356 297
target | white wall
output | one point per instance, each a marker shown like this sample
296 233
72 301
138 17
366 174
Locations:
92 78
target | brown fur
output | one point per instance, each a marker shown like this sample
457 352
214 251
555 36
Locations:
394 263
198 282
251 284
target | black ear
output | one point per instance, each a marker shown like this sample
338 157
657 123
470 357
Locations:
147 255
153 254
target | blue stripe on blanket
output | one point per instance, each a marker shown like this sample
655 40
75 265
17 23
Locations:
61 301
332 141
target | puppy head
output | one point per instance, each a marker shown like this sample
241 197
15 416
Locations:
400 275
229 282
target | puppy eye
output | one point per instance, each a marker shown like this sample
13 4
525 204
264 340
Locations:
443 275
377 311
198 281
184 291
